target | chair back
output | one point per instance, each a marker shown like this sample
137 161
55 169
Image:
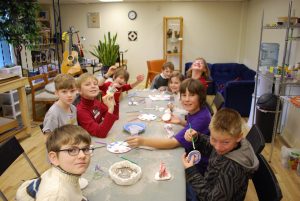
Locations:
218 101
38 82
154 68
51 75
256 139
10 150
265 182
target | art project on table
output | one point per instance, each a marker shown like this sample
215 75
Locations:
147 117
134 128
163 173
159 97
118 147
169 129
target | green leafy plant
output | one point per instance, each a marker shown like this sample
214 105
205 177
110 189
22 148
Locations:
107 51
18 24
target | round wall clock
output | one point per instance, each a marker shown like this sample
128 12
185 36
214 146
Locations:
132 15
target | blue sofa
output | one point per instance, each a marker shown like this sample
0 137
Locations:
235 82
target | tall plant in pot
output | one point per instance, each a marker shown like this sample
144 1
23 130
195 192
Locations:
107 51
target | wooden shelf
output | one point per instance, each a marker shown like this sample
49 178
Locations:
173 40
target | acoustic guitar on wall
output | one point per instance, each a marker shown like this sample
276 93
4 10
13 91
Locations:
70 64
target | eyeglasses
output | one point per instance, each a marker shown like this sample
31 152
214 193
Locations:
75 150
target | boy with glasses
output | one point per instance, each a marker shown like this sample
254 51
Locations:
69 151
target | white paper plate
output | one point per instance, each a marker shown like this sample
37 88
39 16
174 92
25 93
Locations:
147 117
118 147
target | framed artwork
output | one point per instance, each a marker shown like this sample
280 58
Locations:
93 20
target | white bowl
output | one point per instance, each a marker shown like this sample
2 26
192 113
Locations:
125 173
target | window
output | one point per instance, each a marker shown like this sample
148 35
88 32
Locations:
6 54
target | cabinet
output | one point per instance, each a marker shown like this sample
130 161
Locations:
173 40
284 80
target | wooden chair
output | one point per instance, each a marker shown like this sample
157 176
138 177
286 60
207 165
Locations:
10 150
154 68
265 182
51 75
256 139
39 95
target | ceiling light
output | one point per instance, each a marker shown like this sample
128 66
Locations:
110 0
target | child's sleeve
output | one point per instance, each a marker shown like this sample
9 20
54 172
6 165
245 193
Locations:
227 182
87 121
126 87
154 82
50 122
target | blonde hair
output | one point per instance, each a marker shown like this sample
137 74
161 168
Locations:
83 77
64 81
205 74
67 135
227 121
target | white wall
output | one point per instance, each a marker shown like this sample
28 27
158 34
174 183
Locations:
272 10
212 30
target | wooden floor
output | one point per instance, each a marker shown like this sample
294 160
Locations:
34 146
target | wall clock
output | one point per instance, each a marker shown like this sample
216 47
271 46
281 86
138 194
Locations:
132 15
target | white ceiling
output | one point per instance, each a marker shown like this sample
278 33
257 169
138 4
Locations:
97 1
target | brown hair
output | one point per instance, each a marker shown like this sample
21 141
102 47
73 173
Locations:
194 87
227 121
83 77
169 65
205 74
121 72
67 134
64 81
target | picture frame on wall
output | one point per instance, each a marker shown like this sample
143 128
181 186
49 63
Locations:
93 20
44 15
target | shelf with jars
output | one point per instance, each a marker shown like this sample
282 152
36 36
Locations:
173 40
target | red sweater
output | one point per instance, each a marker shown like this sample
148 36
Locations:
125 87
92 115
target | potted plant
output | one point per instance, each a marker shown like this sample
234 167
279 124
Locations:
106 51
18 25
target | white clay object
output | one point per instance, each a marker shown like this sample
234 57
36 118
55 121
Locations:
163 173
118 147
83 182
147 117
125 173
166 117
197 155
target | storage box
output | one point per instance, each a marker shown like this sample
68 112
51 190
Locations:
12 70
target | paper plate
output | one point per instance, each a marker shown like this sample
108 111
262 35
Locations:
147 117
135 127
197 155
118 147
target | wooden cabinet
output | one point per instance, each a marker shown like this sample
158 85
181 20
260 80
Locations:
173 40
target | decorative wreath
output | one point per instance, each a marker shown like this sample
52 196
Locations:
295 101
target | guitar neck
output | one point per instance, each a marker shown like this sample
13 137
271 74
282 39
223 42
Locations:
70 44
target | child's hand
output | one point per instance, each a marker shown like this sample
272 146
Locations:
140 78
189 134
174 119
111 71
109 101
134 141
186 162
162 88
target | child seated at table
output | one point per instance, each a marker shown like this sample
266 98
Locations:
62 111
161 80
94 116
118 85
69 152
174 84
199 70
193 98
231 159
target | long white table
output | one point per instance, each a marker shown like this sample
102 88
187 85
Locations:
147 188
